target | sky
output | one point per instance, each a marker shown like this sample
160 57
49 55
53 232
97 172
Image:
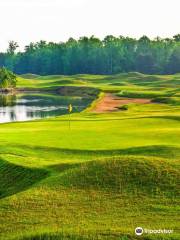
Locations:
28 21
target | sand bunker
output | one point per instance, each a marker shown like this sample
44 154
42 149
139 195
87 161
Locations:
110 103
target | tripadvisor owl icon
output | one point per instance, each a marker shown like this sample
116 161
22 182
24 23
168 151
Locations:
139 231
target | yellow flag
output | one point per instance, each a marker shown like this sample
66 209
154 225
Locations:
70 108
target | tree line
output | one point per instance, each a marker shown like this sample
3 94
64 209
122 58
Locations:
90 55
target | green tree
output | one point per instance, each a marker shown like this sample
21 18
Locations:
177 38
7 79
174 61
12 47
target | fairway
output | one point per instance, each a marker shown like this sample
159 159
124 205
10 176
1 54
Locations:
103 175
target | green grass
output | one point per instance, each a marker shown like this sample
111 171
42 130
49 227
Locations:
100 179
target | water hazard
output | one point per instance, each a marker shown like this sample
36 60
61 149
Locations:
26 107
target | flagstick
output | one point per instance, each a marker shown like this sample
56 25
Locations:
69 121
70 110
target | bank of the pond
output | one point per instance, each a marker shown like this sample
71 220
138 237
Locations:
7 90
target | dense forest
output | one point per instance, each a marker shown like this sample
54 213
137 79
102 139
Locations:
94 56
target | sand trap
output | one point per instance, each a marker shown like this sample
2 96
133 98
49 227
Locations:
110 103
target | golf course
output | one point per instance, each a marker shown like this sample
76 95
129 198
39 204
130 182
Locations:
99 171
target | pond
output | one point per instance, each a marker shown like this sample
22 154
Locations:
26 107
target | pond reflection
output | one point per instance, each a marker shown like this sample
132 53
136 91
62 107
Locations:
7 100
36 106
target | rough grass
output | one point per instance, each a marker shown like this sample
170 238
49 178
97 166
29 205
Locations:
133 175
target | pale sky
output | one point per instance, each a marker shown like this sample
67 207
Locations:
57 20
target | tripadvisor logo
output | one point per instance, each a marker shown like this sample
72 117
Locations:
139 231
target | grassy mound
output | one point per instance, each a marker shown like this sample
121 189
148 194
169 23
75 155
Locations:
14 178
142 94
130 174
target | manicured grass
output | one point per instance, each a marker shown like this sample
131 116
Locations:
99 179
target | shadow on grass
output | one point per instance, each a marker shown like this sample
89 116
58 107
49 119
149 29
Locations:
15 178
175 118
164 151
